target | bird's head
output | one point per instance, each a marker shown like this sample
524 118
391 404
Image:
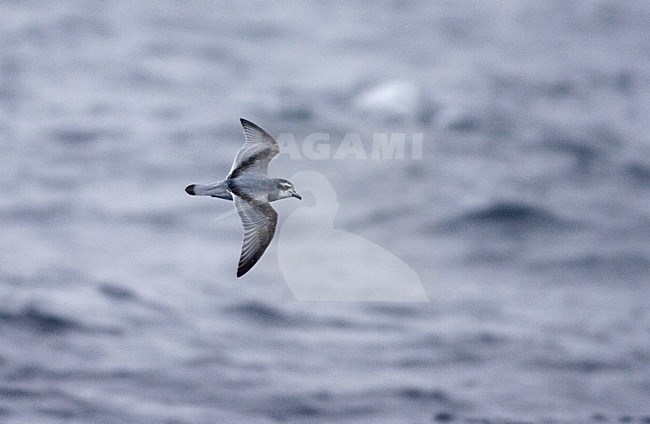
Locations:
286 189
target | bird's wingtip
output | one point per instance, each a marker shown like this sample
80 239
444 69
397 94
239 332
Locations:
244 267
247 123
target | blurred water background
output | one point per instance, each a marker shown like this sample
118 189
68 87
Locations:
527 218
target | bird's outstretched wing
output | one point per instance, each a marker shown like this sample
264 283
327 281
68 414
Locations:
257 151
259 220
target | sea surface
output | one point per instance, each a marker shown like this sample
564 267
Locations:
526 217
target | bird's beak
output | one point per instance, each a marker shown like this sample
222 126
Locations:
294 194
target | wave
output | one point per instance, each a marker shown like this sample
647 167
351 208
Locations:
36 320
507 215
39 212
584 366
116 293
40 321
417 393
620 263
262 313
638 173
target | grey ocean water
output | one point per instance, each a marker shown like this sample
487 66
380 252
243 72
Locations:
527 218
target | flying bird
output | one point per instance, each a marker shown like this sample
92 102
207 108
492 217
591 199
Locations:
251 189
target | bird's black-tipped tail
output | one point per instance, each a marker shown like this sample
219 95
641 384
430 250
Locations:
218 189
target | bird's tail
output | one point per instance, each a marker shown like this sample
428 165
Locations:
218 189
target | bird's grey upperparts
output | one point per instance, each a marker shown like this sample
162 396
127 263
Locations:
249 185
